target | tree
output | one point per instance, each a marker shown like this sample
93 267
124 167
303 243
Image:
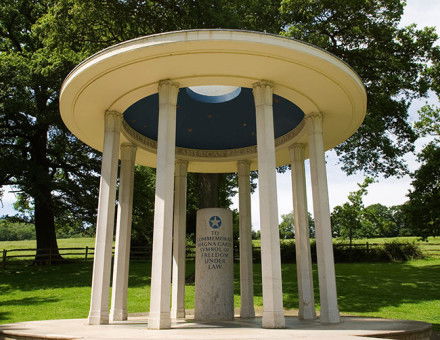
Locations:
400 217
143 206
392 62
256 234
423 208
347 219
48 166
378 221
287 226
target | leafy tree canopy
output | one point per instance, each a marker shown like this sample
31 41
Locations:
287 226
38 156
347 218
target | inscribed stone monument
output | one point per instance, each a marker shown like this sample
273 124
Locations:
214 265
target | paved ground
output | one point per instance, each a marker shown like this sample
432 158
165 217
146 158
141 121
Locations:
240 329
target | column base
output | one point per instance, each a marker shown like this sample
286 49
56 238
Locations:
159 321
307 312
178 313
247 313
273 320
118 315
329 317
98 319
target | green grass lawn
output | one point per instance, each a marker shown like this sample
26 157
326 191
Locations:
408 290
62 243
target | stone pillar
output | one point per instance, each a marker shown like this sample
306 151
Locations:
159 316
98 314
302 243
179 240
324 247
246 273
214 265
273 313
118 311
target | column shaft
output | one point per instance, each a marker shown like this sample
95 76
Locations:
324 247
246 272
118 311
179 240
159 316
104 226
273 313
302 242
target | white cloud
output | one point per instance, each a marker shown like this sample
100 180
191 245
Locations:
7 201
422 12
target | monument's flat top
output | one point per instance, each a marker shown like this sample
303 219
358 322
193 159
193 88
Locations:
216 130
243 329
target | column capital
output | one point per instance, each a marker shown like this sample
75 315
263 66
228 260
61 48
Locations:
112 121
263 92
314 122
168 91
181 168
113 114
262 83
128 151
128 145
297 152
181 162
243 167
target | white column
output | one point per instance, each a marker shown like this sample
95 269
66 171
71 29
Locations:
324 247
179 240
159 316
246 273
302 243
273 313
118 311
98 314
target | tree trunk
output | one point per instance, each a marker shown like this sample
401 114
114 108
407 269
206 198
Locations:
209 190
47 247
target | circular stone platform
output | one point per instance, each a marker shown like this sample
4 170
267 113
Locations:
243 329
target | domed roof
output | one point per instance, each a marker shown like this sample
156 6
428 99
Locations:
215 70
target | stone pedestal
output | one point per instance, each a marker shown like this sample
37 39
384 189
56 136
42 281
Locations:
214 265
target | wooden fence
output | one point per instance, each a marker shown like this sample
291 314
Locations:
141 253
84 253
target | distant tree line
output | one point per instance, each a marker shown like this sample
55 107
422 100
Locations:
352 220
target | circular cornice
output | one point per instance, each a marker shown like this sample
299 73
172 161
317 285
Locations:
197 154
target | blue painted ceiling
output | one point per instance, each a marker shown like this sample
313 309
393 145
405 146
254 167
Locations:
213 125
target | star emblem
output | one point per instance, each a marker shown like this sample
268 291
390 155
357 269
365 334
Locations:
215 222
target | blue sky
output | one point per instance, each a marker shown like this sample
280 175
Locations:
389 191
